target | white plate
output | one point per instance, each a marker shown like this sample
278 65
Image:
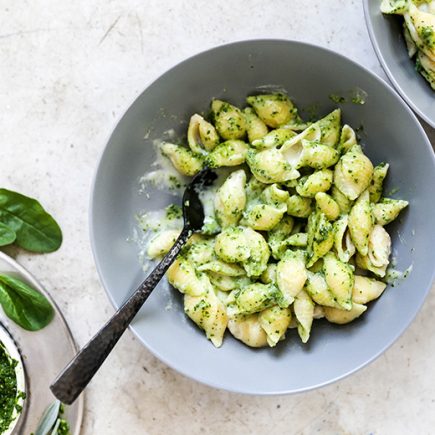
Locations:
44 354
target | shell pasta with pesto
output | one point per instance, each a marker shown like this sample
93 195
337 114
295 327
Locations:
295 225
419 32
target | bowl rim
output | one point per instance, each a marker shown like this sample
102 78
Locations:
388 71
98 265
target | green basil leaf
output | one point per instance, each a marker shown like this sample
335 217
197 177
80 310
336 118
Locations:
48 419
24 305
36 230
7 235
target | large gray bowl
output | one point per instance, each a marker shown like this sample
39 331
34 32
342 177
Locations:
391 133
386 33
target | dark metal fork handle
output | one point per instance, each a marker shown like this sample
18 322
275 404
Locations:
78 373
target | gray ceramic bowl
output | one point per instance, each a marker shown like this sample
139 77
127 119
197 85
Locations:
310 74
386 33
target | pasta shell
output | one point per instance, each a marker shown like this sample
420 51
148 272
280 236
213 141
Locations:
201 135
229 120
340 280
366 289
319 181
274 139
232 246
342 200
230 199
330 127
255 297
162 243
363 261
209 313
342 241
248 330
182 158
255 127
275 321
379 248
361 223
394 6
375 189
299 240
278 236
229 153
316 155
327 205
299 206
182 275
320 237
263 217
387 210
269 275
347 139
341 317
291 276
200 251
218 266
353 173
317 288
269 166
256 264
223 282
274 110
304 312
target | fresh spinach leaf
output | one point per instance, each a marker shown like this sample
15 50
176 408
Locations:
35 229
24 305
7 235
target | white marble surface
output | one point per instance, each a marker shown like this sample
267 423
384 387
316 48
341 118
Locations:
67 71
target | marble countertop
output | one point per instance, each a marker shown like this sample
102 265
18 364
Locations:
68 70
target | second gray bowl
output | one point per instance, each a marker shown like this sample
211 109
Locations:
386 33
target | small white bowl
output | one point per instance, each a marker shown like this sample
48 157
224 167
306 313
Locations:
13 352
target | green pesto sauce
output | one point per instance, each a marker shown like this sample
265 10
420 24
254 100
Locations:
63 428
173 212
337 98
355 96
8 389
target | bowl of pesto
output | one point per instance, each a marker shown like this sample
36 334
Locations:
12 384
403 36
263 285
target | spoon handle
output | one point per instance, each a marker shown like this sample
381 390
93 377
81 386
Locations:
78 373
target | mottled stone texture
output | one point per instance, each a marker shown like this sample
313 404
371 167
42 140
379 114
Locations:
67 72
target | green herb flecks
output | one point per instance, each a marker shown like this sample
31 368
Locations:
173 211
8 390
337 98
355 96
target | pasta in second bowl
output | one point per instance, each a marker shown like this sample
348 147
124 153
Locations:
393 46
316 80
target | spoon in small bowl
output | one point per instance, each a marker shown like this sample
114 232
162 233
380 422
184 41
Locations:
78 373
